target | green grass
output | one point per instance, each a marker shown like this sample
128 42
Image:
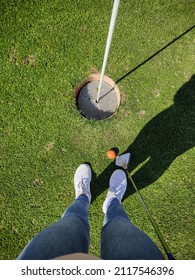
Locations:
49 47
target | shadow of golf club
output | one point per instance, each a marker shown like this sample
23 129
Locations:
165 137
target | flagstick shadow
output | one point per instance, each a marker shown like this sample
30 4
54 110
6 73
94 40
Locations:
155 54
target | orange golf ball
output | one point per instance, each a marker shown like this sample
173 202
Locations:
111 154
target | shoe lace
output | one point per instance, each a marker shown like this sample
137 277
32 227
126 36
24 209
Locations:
116 189
83 185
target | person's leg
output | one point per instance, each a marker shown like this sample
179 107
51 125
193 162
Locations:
120 239
71 233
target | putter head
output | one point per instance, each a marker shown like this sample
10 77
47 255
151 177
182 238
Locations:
123 160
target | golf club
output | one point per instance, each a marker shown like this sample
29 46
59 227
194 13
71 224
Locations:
123 161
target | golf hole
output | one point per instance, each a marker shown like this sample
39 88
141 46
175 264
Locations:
86 98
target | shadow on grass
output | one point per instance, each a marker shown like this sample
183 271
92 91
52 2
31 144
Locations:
165 137
155 54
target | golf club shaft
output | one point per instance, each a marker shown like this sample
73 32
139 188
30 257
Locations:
165 246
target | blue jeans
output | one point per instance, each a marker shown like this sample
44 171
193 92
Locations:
120 239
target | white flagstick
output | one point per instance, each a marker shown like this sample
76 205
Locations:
108 43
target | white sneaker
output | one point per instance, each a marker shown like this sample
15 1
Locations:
82 180
118 186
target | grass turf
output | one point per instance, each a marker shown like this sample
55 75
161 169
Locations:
49 47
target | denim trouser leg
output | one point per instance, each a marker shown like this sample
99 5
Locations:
68 235
122 240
